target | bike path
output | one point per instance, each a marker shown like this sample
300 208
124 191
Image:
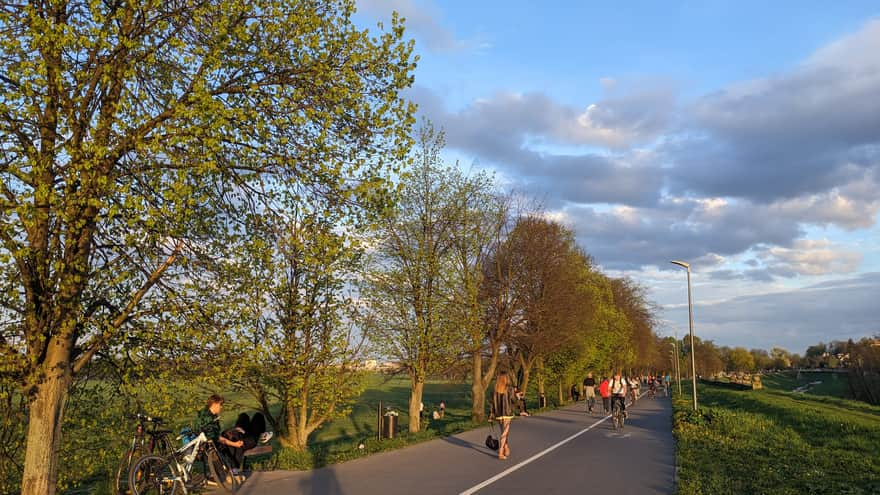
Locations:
563 451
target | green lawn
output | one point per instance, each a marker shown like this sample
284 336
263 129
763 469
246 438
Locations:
776 442
832 384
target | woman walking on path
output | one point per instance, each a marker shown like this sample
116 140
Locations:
502 410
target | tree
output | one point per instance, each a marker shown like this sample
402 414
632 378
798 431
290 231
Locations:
815 355
781 358
761 359
482 214
297 348
133 135
546 267
740 360
408 291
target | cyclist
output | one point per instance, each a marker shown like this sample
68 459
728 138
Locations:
617 387
590 391
652 385
634 388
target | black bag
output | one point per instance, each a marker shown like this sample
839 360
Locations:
491 441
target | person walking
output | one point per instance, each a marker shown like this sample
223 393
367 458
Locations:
503 411
590 391
605 392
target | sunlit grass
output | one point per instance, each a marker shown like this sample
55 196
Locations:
774 442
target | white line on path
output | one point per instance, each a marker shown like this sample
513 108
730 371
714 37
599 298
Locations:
530 459
540 454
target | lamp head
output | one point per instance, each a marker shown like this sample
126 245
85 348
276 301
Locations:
683 264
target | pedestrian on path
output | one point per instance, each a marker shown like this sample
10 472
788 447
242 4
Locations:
503 410
590 391
605 392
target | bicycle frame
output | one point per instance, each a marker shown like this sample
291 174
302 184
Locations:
188 454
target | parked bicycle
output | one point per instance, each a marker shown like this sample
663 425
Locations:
147 439
175 473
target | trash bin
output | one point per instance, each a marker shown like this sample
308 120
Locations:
542 402
389 425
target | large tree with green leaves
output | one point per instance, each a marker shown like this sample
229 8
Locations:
133 136
410 290
549 269
298 347
482 214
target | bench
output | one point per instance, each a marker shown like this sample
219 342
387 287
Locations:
258 451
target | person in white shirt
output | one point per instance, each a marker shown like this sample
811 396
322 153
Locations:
618 386
634 388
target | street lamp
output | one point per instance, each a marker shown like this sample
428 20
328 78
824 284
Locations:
691 325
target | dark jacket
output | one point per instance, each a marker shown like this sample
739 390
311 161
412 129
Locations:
208 423
503 404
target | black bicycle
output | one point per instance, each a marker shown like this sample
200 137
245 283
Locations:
147 439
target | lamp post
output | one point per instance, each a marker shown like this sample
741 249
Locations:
691 325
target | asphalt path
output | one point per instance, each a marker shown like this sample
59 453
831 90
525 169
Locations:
564 451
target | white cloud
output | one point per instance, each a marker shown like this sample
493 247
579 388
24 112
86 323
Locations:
812 257
423 19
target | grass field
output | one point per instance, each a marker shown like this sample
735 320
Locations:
831 384
773 441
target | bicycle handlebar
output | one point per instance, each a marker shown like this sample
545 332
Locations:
139 416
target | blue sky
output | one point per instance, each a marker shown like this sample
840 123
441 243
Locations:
741 136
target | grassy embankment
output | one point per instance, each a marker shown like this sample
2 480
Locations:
773 441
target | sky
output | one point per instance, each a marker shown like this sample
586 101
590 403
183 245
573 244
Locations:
742 137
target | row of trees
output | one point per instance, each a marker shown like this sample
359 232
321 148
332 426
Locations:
464 272
712 359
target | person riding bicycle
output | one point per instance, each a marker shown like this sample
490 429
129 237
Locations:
590 391
617 387
652 385
634 388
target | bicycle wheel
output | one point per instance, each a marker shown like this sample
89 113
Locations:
153 475
617 416
221 471
120 485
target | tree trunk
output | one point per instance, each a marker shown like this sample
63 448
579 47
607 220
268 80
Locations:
46 415
415 400
559 390
526 371
296 437
478 391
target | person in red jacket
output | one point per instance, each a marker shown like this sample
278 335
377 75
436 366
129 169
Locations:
605 392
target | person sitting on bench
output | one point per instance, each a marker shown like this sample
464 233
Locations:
250 430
